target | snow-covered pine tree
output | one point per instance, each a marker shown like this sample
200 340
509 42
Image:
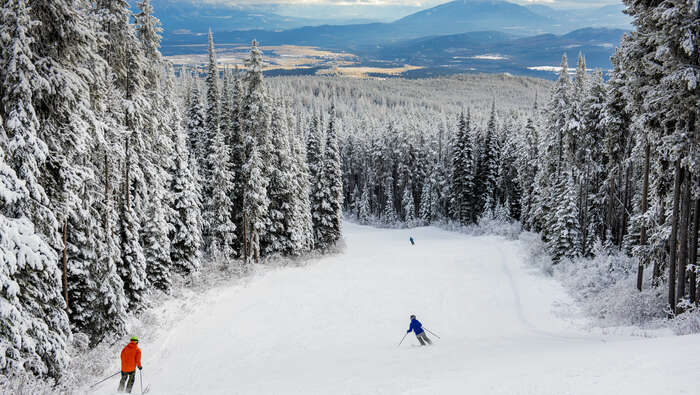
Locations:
34 328
332 181
551 153
132 267
593 221
557 117
148 31
255 125
255 204
20 80
281 187
196 128
63 45
314 159
364 215
468 200
185 227
389 213
428 200
458 169
409 206
565 235
124 54
510 190
527 164
157 246
222 231
301 228
238 156
213 126
486 172
575 129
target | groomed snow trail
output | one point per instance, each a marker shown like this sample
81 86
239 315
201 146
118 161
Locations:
332 327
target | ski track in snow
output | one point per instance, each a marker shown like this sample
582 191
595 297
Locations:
332 327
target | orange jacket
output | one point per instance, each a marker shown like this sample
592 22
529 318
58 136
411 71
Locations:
131 357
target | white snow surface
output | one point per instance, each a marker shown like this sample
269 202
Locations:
332 327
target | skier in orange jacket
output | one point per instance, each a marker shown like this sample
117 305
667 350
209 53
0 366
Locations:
131 358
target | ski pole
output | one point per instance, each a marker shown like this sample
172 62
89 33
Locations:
102 381
431 332
404 336
141 379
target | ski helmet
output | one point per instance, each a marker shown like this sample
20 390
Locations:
413 317
134 339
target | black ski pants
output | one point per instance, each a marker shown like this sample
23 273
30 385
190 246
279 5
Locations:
128 378
423 338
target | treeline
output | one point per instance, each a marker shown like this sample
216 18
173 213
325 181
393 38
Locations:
107 190
611 163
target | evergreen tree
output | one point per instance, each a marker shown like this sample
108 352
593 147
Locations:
527 165
281 188
196 129
467 198
565 235
157 248
255 124
132 267
222 230
255 204
486 174
34 329
332 181
409 206
428 202
213 127
389 213
314 159
185 227
364 210
301 224
238 157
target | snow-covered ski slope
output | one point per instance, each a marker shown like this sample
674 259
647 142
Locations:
332 327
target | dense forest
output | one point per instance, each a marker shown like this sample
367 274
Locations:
119 173
108 191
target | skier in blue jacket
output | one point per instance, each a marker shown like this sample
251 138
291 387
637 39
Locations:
417 328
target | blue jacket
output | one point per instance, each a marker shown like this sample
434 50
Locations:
411 239
416 327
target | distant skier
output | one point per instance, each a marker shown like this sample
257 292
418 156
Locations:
417 328
412 241
131 358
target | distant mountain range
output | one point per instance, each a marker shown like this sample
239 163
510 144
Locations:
196 17
502 52
443 36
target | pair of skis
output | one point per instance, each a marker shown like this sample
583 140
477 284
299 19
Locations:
426 329
143 390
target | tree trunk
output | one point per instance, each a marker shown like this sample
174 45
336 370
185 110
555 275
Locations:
626 204
610 221
65 262
656 275
245 237
693 251
107 197
127 165
683 236
645 206
673 248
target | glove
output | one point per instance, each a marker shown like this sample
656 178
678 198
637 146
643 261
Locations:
140 367
408 331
